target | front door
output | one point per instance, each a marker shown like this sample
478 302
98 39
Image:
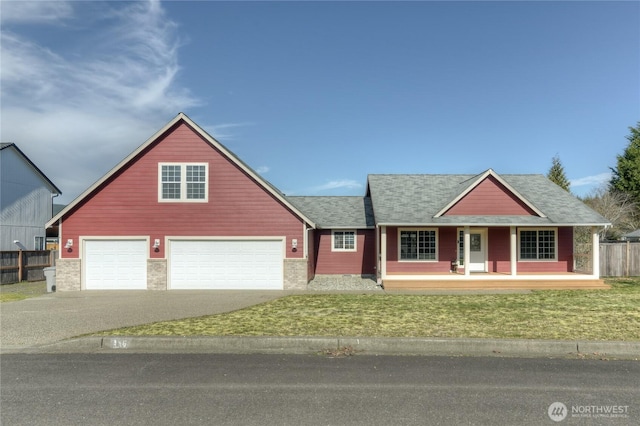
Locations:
478 250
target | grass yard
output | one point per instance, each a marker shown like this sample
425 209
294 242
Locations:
22 290
569 314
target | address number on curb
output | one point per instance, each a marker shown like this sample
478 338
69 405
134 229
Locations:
119 343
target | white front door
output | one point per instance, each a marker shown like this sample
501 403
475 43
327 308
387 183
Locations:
478 250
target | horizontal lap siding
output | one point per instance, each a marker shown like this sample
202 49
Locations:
565 256
360 262
128 204
499 240
447 252
499 254
489 198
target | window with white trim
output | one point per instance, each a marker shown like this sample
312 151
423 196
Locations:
538 244
343 241
182 182
418 244
39 243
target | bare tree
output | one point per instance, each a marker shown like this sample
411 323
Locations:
616 206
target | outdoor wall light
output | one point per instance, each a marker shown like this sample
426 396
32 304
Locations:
294 244
156 245
69 244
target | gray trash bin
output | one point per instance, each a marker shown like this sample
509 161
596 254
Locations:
50 275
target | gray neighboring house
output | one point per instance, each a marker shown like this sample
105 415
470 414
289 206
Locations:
632 236
26 201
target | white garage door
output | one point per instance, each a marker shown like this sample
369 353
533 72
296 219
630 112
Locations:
229 264
115 264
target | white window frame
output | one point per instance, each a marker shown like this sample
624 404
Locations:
333 240
555 248
183 184
436 237
40 243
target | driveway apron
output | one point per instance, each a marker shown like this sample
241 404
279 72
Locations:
58 316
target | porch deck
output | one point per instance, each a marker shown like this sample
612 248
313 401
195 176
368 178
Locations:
494 281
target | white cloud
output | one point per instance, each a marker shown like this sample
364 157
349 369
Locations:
222 131
594 180
337 184
19 11
262 170
78 114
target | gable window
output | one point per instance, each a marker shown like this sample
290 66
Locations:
418 244
182 182
538 244
343 241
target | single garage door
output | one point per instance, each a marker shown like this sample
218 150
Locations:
226 264
115 264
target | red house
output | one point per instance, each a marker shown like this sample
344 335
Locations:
183 212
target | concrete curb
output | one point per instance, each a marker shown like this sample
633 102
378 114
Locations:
360 345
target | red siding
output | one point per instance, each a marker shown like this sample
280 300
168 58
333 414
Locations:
447 251
499 242
362 261
565 256
499 253
128 203
311 264
490 197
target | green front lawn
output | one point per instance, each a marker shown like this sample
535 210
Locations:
569 314
22 290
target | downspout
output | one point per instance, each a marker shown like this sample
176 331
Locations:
378 275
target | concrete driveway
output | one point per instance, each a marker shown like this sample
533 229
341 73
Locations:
57 316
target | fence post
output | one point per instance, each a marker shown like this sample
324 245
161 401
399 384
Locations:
626 269
20 268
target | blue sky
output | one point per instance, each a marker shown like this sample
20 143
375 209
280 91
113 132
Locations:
316 95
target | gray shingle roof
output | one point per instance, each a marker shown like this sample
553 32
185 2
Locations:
336 212
416 199
633 234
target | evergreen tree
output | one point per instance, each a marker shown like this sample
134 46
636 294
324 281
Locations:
626 176
556 174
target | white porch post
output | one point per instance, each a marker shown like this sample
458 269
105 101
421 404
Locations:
595 249
383 253
514 251
467 252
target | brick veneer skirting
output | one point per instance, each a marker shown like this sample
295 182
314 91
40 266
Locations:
156 274
68 274
295 274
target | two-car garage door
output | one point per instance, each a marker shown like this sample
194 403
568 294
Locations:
226 264
192 264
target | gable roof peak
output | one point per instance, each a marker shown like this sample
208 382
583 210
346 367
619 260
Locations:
209 139
477 180
52 187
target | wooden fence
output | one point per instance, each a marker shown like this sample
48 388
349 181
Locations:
620 259
24 265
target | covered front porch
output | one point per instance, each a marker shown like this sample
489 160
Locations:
486 258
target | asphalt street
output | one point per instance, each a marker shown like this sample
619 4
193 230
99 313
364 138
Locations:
198 389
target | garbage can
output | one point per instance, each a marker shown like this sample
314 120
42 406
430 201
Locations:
50 275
